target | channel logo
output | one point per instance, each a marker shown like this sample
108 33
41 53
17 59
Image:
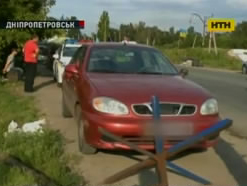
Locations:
221 25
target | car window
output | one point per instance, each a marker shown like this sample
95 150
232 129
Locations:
127 59
82 54
123 57
69 51
147 58
79 55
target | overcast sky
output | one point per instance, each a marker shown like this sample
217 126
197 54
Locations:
162 13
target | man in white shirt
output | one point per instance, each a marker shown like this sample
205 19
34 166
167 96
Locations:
10 63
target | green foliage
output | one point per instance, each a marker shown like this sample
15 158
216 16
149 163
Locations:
14 107
144 34
154 36
74 33
104 27
23 10
222 60
42 151
239 37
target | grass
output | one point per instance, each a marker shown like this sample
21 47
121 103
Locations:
43 151
222 60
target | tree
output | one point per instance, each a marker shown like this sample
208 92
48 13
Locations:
238 37
74 33
22 10
114 34
104 27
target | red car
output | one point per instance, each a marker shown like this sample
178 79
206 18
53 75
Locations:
110 85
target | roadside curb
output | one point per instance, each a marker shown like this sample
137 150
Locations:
211 69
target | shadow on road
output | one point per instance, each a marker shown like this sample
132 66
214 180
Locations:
43 71
128 154
234 162
149 177
139 157
43 84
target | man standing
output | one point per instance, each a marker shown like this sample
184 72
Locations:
30 51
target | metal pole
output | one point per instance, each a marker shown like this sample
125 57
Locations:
194 43
210 41
204 31
203 20
215 45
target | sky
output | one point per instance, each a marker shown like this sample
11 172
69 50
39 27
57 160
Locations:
161 13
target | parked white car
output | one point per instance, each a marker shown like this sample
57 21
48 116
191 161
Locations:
242 55
62 58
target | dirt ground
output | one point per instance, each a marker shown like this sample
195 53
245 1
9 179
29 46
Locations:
226 164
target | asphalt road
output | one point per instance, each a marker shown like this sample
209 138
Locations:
230 89
223 165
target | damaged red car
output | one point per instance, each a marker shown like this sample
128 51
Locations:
110 85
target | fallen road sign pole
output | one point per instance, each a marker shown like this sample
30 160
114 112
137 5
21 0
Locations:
158 160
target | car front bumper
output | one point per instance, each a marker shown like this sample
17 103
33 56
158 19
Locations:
132 130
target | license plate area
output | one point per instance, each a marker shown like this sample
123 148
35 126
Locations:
170 130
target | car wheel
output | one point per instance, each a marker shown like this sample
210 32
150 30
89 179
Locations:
84 147
65 111
244 69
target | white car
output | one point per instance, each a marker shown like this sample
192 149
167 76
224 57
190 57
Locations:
62 58
243 57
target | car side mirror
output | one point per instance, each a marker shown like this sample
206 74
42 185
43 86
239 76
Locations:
55 56
72 69
184 72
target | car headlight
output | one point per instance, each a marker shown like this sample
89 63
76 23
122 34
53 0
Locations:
210 107
110 106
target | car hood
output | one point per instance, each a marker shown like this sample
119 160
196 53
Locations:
65 60
140 88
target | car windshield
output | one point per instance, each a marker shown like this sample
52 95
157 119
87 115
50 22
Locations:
129 60
69 51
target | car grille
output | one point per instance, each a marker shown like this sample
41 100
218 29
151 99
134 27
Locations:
166 109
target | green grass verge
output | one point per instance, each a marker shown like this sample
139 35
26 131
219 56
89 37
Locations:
43 151
222 60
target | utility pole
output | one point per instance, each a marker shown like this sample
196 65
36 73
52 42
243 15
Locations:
194 43
204 24
215 45
212 38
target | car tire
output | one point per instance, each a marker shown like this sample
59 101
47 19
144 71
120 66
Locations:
65 111
84 147
244 69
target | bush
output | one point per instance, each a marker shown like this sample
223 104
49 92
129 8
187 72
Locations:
222 60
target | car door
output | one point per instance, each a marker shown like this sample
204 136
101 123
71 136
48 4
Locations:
71 81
